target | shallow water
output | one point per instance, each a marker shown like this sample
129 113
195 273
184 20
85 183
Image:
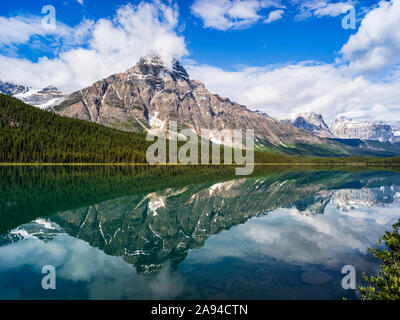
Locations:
277 235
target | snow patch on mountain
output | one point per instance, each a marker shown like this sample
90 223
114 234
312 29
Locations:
313 123
346 128
42 98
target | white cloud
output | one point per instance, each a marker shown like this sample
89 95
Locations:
22 29
231 14
110 46
80 1
108 277
301 240
321 8
333 9
274 16
375 48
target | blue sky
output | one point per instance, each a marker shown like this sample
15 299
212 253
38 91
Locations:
283 57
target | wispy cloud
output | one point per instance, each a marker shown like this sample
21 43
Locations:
232 14
274 16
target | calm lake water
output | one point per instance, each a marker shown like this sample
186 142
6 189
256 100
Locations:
123 233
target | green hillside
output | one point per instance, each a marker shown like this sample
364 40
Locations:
28 134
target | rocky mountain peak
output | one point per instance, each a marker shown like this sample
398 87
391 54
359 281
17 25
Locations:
44 98
50 90
346 128
313 123
154 67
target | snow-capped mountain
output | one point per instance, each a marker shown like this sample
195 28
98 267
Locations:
149 95
346 128
43 98
396 130
12 89
313 123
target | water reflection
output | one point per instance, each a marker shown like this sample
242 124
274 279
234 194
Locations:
292 232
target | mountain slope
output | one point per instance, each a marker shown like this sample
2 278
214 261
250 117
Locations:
149 95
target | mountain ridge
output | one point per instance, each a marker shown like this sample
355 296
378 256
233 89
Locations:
347 129
149 95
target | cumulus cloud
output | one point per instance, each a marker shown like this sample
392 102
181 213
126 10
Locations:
100 276
109 46
375 48
302 240
231 14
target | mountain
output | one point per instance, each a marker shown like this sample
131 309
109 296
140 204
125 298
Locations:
149 95
12 89
373 137
346 128
44 98
313 123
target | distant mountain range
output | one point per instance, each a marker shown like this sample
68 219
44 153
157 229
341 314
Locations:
149 95
44 98
346 128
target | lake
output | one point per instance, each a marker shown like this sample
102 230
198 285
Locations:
171 233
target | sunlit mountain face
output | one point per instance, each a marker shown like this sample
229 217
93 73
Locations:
278 234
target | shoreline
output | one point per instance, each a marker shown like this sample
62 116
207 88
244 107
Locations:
299 164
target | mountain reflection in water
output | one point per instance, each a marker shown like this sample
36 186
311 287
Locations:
282 235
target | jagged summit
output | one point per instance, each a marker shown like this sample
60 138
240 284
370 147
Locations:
12 89
44 98
346 128
313 123
153 66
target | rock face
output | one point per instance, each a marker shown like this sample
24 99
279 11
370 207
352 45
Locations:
313 123
44 98
346 128
149 95
396 130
